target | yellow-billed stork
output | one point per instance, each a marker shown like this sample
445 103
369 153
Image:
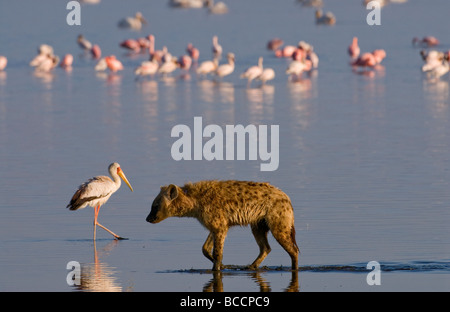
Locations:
96 191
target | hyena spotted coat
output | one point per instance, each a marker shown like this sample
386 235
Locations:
218 205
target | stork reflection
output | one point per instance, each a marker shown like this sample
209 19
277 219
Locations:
99 276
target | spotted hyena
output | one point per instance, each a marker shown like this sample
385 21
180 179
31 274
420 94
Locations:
218 205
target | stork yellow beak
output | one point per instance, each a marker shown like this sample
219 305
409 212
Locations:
124 178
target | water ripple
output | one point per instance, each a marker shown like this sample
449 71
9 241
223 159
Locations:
413 266
416 266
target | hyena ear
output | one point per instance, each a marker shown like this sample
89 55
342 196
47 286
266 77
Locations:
172 190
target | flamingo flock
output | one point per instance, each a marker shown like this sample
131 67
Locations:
301 57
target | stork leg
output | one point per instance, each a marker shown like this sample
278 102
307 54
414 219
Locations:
97 209
111 232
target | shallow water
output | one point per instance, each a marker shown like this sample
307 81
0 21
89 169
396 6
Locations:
364 158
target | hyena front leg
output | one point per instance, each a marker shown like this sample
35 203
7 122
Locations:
259 231
208 246
219 240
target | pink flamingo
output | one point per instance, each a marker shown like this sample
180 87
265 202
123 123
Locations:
84 43
286 51
274 44
44 52
436 63
38 59
144 42
312 56
48 63
353 49
428 41
432 59
226 69
96 52
134 23
216 48
131 44
88 46
440 70
304 52
45 49
207 67
101 65
365 60
299 54
266 75
253 72
168 67
218 8
113 63
379 55
154 55
147 68
296 68
67 61
193 52
185 62
45 61
325 19
3 62
166 55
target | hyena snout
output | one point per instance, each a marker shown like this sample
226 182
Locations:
151 218
162 206
154 215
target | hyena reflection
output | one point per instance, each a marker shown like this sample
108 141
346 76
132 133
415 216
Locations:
218 205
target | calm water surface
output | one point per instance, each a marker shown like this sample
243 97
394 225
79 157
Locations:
364 158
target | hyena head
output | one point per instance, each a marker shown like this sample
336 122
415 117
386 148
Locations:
170 202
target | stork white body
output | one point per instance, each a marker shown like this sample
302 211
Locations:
96 192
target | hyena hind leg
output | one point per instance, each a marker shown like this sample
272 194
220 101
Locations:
260 231
286 238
